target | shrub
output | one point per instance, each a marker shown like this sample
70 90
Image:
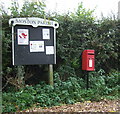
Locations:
14 75
78 31
68 92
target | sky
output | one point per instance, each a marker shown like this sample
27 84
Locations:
105 7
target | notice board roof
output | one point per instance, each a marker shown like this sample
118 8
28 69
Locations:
33 21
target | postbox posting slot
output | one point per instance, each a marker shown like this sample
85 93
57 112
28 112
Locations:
90 53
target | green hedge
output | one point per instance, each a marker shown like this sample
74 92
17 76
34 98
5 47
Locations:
78 31
76 34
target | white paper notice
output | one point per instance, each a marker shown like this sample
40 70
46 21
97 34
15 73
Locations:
23 36
90 63
46 34
36 46
49 50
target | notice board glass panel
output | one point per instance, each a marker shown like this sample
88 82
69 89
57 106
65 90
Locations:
32 50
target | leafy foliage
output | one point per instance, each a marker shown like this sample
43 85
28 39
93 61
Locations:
78 31
76 34
12 74
67 92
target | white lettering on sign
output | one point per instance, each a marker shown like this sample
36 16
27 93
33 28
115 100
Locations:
36 46
23 36
46 33
25 21
35 22
49 50
90 63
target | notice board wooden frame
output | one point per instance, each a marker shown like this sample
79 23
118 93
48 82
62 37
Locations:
21 54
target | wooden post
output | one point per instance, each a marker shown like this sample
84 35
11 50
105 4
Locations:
51 74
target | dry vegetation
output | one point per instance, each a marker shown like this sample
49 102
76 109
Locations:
88 106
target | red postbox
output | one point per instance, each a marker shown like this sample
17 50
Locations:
88 60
